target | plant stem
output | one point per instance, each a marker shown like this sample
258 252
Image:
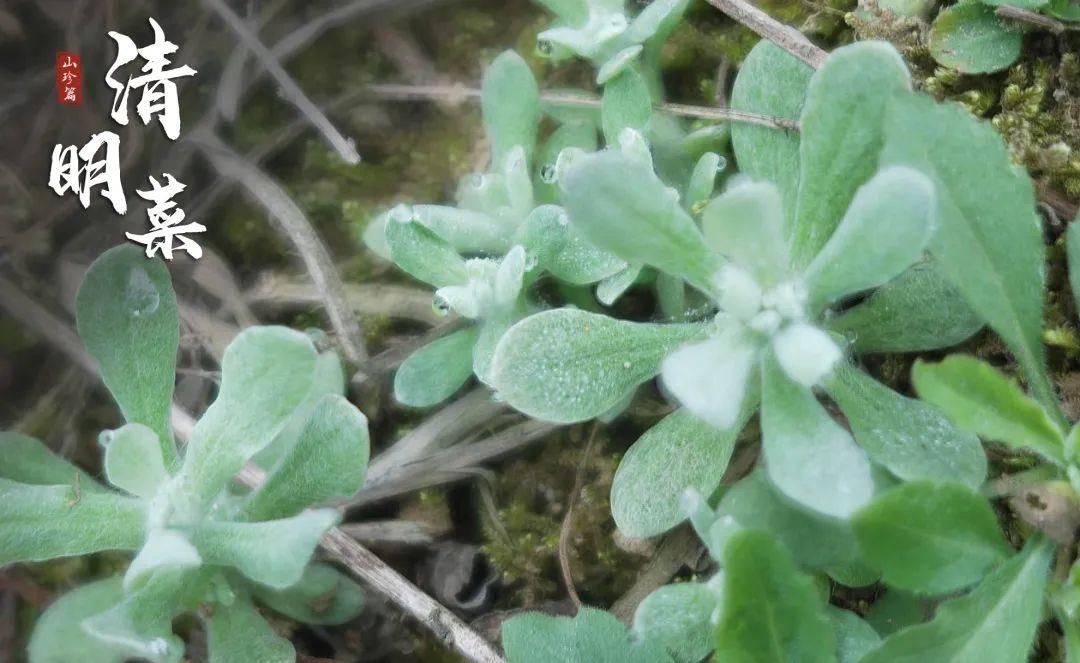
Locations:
784 36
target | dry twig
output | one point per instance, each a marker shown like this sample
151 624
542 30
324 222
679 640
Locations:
784 36
568 519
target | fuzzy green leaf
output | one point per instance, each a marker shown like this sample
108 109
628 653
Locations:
434 372
266 374
58 635
702 181
620 205
126 315
559 248
133 461
996 621
237 632
895 610
44 522
140 626
679 452
677 617
1072 247
329 460
918 310
931 538
323 596
1068 10
854 637
770 82
989 243
576 134
567 365
909 438
771 611
972 39
842 135
163 549
28 460
592 636
809 457
626 104
816 541
981 400
424 255
713 378
510 102
746 224
274 552
466 230
883 232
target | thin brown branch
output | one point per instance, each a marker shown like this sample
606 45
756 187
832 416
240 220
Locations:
568 520
1031 18
297 229
458 93
784 36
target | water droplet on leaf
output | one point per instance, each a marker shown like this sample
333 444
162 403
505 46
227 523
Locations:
141 296
548 174
440 305
105 437
544 47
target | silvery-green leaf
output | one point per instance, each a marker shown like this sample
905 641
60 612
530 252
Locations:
633 145
680 451
510 102
910 438
273 552
610 289
518 180
981 400
43 522
626 104
434 372
989 243
571 11
809 457
509 278
579 135
770 82
930 537
1072 247
806 353
842 135
328 460
323 596
895 610
591 636
266 373
491 331
27 460
972 39
702 181
918 310
996 621
677 617
617 63
58 636
329 378
133 461
816 541
423 254
710 378
374 235
140 626
771 610
621 206
1068 10
466 230
883 232
126 315
237 632
163 549
746 224
559 248
567 365
854 637
654 18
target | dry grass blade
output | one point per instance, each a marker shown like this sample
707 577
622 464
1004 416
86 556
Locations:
289 89
784 36
458 93
296 228
276 292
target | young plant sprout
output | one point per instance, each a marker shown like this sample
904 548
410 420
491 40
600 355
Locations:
200 546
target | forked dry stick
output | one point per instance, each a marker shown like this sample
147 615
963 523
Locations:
784 36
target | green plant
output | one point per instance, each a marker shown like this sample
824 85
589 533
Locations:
200 545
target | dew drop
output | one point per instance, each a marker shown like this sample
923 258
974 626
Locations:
159 646
477 181
721 164
544 47
140 295
530 262
626 365
440 305
548 174
563 219
105 437
497 397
